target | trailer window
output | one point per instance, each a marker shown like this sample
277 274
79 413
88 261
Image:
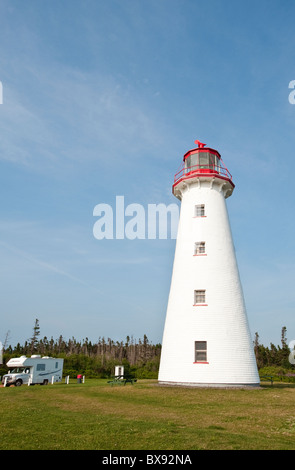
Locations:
40 367
18 370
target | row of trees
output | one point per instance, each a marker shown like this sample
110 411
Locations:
139 357
273 355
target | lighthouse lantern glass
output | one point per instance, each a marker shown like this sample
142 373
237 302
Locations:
201 160
204 160
191 161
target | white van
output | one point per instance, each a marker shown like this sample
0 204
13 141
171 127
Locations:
33 370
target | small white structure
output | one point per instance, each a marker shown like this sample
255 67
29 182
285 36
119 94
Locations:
119 370
33 370
206 340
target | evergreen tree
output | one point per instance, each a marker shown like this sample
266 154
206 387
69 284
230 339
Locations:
34 342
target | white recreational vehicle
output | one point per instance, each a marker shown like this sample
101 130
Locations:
33 370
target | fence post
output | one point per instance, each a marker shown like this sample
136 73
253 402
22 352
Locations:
5 381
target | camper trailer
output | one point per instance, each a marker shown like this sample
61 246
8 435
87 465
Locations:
33 370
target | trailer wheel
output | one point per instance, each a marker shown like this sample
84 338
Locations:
45 382
18 383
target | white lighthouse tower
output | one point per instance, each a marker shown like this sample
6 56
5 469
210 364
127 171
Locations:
206 339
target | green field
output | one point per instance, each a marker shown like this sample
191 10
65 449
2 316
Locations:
97 416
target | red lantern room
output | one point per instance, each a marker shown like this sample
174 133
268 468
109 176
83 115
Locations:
202 163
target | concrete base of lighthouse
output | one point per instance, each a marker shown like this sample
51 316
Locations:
209 385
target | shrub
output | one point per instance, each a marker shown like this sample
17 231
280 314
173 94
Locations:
278 373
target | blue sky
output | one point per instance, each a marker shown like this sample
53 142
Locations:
102 98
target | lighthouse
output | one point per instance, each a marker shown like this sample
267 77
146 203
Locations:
206 339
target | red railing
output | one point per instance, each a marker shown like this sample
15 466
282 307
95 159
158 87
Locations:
202 170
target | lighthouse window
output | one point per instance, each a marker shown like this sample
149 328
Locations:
191 162
200 210
199 248
200 351
213 161
200 296
188 163
204 161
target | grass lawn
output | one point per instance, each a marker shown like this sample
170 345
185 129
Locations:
97 416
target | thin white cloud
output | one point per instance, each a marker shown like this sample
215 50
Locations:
120 261
44 265
84 117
